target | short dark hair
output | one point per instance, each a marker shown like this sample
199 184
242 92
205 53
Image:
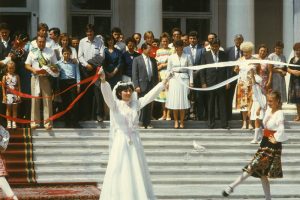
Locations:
145 46
123 87
216 41
263 46
176 29
193 34
296 46
42 26
108 38
139 34
90 27
116 30
214 34
55 30
4 26
66 49
279 44
130 39
178 43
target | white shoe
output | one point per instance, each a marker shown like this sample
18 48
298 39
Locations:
8 124
250 126
244 125
14 125
254 141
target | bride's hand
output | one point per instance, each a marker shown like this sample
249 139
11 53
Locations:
101 74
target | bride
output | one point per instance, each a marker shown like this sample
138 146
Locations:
127 175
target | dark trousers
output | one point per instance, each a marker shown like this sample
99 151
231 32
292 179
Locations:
218 94
201 105
146 112
71 117
2 109
229 99
86 101
98 102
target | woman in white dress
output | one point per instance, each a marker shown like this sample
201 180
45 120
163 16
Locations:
127 175
178 94
266 163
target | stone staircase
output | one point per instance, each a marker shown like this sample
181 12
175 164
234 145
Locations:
177 170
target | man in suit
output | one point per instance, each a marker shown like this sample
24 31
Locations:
233 53
213 76
195 50
5 47
144 78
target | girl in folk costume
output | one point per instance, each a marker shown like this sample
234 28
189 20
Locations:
257 106
11 81
127 175
266 163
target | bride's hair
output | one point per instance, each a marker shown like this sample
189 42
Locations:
121 86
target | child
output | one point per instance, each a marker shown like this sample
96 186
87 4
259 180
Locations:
11 81
69 75
257 107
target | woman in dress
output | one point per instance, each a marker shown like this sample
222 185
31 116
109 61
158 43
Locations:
294 86
178 94
266 163
162 56
112 61
243 91
279 71
127 175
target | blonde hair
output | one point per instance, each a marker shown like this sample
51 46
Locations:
247 46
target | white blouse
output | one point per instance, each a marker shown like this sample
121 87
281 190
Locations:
275 122
174 61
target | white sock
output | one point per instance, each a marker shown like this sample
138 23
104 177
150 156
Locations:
266 187
6 188
239 180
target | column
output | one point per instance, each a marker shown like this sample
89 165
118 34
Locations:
296 21
148 16
240 19
54 13
288 28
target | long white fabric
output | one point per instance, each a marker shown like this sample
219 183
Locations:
227 64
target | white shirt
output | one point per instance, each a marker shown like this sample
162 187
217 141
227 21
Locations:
32 58
194 51
215 56
33 44
5 43
275 122
88 49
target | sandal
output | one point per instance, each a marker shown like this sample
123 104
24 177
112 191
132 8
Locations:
176 125
297 119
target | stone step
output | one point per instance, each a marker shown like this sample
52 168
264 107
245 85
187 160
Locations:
213 191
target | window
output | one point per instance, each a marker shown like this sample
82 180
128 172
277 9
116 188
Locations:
91 4
95 12
16 22
186 5
202 26
13 3
188 15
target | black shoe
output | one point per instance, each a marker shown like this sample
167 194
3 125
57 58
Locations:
99 118
77 125
226 127
227 191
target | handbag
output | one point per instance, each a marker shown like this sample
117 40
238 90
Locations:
4 136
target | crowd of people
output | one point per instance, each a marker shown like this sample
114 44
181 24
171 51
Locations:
47 66
52 69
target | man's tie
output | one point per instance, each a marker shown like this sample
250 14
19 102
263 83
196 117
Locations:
149 69
237 56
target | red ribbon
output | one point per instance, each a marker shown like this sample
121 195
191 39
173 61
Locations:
58 115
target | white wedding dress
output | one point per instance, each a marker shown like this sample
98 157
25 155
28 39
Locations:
127 175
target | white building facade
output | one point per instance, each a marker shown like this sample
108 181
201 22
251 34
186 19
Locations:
260 21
